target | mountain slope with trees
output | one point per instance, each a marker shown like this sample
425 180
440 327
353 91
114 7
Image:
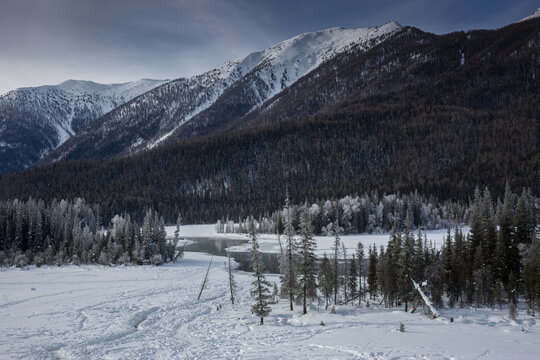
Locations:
442 114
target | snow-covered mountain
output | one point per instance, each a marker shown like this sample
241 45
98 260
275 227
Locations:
36 120
535 14
179 109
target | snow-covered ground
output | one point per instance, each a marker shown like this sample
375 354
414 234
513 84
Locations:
145 312
269 242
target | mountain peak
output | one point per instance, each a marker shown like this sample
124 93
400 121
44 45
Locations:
534 15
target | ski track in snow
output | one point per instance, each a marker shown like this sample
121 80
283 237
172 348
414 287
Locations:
145 312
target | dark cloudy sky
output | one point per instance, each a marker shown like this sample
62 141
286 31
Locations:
49 41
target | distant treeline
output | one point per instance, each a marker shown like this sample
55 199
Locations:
369 213
34 232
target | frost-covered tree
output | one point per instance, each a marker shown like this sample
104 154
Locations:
360 269
325 279
352 282
335 260
372 272
306 268
232 282
288 258
260 291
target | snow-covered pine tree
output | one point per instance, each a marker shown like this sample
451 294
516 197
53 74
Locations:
261 287
372 272
335 259
345 277
360 270
306 268
288 258
352 282
325 279
405 263
232 281
176 239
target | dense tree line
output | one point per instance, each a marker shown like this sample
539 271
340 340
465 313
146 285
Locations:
411 116
497 262
371 213
34 232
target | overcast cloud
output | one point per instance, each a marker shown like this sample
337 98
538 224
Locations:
49 41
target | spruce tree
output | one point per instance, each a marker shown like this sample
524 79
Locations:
325 279
335 260
307 283
232 281
372 272
260 291
360 267
352 282
288 259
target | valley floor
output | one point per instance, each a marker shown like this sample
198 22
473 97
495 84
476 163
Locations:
146 312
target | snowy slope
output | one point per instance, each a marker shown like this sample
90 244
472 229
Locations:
53 113
144 312
281 65
534 15
152 118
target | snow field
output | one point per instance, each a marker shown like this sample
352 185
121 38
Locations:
145 312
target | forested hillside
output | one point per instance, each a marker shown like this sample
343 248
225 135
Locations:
441 114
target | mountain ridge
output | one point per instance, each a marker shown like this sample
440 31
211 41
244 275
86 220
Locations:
438 113
36 120
170 113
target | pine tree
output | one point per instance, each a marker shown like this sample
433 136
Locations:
360 267
405 263
177 238
345 276
335 260
232 281
260 291
352 280
288 259
372 272
325 279
307 283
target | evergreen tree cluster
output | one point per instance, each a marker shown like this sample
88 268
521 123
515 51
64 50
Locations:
371 213
61 232
498 261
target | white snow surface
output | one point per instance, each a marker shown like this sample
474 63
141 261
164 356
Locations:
146 312
534 15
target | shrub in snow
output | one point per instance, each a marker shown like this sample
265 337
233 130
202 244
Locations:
3 259
156 259
401 327
38 260
123 259
76 260
103 258
59 258
21 260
